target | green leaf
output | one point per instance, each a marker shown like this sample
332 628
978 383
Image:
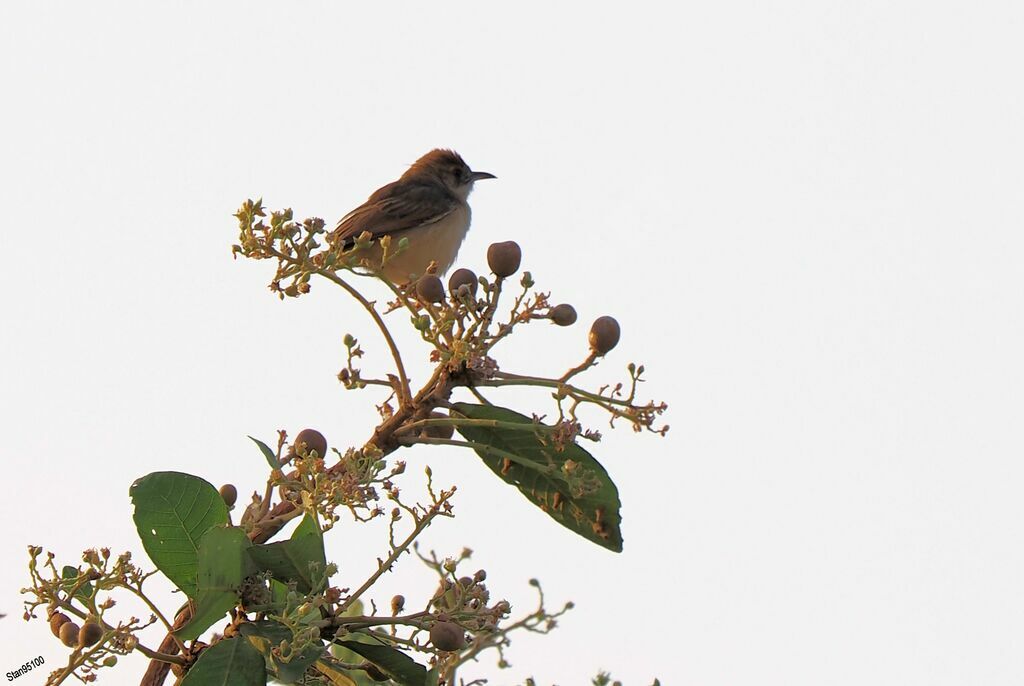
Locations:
568 483
335 675
268 454
231 662
223 565
396 664
172 512
70 573
290 560
292 671
266 634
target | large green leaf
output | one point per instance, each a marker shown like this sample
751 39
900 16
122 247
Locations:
172 512
567 482
396 664
223 565
232 662
290 560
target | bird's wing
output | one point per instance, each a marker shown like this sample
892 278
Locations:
395 207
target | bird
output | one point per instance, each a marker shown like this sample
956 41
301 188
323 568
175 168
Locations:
427 205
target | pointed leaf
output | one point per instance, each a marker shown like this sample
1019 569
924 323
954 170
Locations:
231 662
568 483
269 455
172 512
290 560
396 664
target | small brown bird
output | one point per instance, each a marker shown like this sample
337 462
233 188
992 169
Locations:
427 205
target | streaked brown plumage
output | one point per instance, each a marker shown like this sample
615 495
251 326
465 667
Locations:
428 205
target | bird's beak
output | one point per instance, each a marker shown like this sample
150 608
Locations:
477 176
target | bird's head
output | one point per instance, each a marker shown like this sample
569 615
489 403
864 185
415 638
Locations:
447 167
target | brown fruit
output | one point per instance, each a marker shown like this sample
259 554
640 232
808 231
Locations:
90 634
69 634
462 277
504 258
447 636
430 289
57 620
563 315
229 493
314 440
397 604
604 334
445 431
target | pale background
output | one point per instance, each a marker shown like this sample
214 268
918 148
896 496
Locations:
806 216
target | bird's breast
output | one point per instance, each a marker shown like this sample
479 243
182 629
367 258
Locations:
438 242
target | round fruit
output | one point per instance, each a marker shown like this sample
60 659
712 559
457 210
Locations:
57 620
504 258
563 315
604 334
445 431
229 493
90 634
462 277
430 289
397 603
69 634
314 440
447 636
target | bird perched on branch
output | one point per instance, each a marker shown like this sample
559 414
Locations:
427 205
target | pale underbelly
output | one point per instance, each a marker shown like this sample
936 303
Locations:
438 242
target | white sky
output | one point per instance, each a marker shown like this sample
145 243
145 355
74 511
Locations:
806 216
